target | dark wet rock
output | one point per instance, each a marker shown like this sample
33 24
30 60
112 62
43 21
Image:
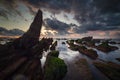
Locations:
63 42
74 47
82 49
105 47
89 52
55 68
96 40
70 42
112 42
90 44
111 70
79 41
30 70
43 45
12 68
118 59
31 37
83 69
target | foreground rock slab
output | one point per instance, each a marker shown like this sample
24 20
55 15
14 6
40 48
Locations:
55 68
111 70
83 69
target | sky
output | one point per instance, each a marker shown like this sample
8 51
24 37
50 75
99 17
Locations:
64 18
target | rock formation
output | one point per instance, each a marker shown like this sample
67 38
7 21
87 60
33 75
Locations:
105 47
20 59
31 37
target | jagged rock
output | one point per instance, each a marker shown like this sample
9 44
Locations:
31 37
53 46
20 58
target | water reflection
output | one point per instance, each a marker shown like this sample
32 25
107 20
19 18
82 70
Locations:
111 56
65 53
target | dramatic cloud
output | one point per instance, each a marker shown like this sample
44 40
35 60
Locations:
54 24
3 13
108 6
54 6
13 32
93 12
91 15
10 8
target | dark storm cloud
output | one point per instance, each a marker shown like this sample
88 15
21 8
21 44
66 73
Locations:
95 15
10 8
84 28
31 10
54 6
108 6
92 15
3 13
57 25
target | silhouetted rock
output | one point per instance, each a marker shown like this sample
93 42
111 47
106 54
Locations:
31 37
17 55
87 38
53 46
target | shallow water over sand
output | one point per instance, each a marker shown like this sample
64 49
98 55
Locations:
70 57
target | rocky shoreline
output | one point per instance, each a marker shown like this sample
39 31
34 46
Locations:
20 59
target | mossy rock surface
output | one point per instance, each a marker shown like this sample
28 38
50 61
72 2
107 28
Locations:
55 69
